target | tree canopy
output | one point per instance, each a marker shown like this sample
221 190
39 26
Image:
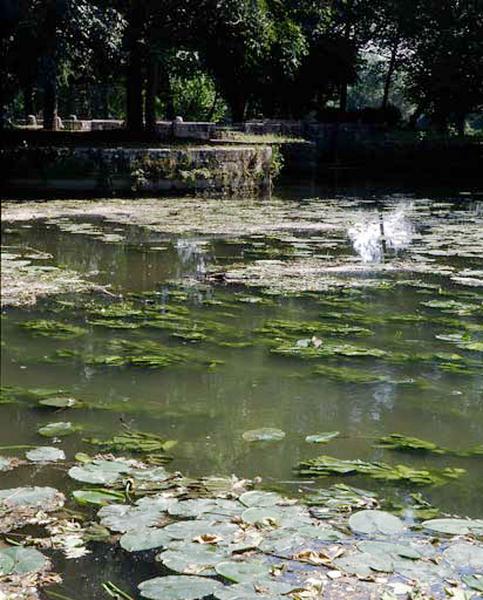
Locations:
141 60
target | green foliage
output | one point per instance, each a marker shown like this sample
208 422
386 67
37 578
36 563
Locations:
324 466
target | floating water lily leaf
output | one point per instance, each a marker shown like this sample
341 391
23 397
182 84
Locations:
97 496
364 564
257 498
322 438
191 558
190 530
267 515
131 440
59 429
263 589
100 471
403 443
193 507
340 498
45 454
122 517
323 466
7 463
7 564
455 526
265 434
239 571
375 522
465 556
475 582
19 560
390 549
144 539
59 402
47 498
179 588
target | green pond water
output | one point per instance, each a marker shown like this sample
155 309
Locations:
237 356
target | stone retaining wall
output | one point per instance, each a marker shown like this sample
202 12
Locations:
220 169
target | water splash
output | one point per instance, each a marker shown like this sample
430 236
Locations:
375 234
192 252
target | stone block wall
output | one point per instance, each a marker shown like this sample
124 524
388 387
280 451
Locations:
197 169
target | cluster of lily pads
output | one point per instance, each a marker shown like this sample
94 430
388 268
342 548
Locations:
221 538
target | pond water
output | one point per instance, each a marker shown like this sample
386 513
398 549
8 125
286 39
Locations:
234 347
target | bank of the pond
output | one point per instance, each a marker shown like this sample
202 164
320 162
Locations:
104 170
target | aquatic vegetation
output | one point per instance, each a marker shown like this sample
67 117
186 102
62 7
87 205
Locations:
44 454
58 429
7 463
131 440
278 328
455 526
53 329
306 349
375 523
454 307
349 375
324 466
340 498
98 496
12 393
403 443
264 434
322 438
23 282
60 402
19 560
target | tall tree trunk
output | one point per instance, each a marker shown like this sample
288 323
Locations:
238 107
28 99
390 72
50 101
343 97
135 77
151 93
50 66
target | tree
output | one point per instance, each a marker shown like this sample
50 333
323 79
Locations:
446 65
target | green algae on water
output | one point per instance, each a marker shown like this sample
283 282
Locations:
53 329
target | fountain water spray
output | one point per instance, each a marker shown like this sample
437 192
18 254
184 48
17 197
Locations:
376 233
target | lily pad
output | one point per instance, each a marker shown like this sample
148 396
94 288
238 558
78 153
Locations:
7 463
45 454
192 559
122 517
322 438
47 498
475 582
100 471
19 560
179 588
256 498
144 539
264 434
262 515
263 589
189 530
465 556
59 429
59 402
375 522
364 564
240 571
390 549
99 497
455 526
